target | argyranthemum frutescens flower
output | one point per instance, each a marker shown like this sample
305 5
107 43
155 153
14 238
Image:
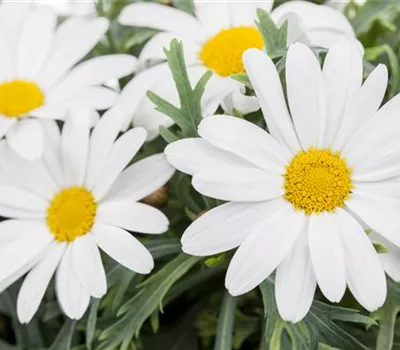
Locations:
74 200
300 194
215 40
39 74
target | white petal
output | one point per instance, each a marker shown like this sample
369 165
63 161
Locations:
18 198
376 132
101 142
35 42
50 111
74 38
96 97
214 16
239 101
218 89
365 276
391 259
52 151
378 215
121 153
327 256
19 253
161 17
26 138
261 69
342 74
71 295
141 179
7 63
246 140
364 105
137 217
306 96
319 21
35 284
381 189
380 162
74 150
136 89
295 282
266 247
244 13
242 185
5 124
87 265
94 71
192 155
154 48
225 227
15 168
123 248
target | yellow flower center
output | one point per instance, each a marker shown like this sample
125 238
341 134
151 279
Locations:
71 213
18 97
317 180
223 52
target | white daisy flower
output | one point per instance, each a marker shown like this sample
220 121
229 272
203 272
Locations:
40 76
215 40
76 199
298 196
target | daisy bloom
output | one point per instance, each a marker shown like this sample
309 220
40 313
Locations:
40 77
215 40
299 196
76 199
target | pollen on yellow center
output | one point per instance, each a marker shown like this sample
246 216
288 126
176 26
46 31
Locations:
223 52
19 97
317 180
71 213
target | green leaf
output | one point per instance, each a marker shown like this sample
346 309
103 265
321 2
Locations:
137 310
226 321
191 281
189 114
163 246
215 260
167 135
374 53
91 323
138 37
6 346
317 327
370 12
64 338
244 79
274 37
167 108
187 6
387 316
155 321
380 248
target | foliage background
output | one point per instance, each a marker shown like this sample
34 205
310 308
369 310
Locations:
183 305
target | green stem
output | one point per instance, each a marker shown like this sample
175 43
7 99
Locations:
225 323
